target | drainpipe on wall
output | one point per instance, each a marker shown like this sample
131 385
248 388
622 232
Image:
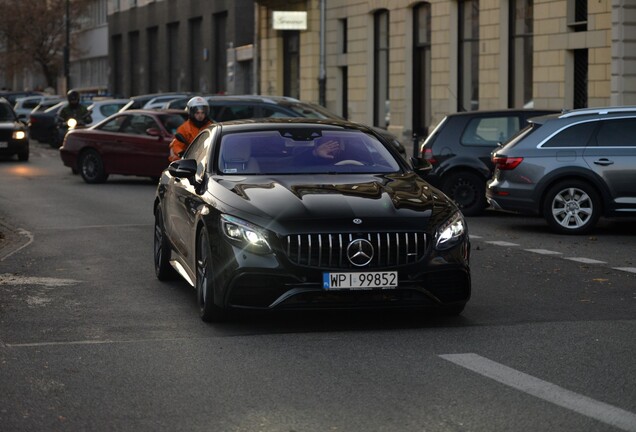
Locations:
322 75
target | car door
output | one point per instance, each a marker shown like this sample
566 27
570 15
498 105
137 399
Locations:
611 154
132 151
182 202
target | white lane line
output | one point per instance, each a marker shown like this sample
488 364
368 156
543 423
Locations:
626 269
472 236
29 237
585 260
14 280
543 251
502 243
584 405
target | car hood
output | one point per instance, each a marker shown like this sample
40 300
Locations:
10 125
332 202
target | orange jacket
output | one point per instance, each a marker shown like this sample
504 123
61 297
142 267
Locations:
186 133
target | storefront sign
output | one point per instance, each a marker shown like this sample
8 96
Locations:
284 20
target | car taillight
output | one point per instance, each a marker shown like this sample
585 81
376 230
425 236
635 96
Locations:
428 155
506 163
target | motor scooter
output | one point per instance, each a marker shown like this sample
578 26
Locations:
62 127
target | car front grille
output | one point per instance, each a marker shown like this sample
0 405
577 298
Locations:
330 250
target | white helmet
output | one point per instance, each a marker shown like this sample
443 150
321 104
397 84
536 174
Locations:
195 104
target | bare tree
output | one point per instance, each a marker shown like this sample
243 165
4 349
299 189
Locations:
33 33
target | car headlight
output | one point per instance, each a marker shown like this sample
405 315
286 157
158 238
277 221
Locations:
450 232
244 234
19 135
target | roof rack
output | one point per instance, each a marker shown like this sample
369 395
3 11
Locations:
600 110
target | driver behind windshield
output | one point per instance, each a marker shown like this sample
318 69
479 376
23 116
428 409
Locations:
327 150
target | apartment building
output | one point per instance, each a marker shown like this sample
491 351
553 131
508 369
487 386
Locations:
404 64
203 46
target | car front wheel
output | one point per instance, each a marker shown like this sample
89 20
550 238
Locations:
163 269
92 167
572 207
468 190
208 311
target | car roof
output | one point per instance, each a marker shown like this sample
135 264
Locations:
502 111
295 122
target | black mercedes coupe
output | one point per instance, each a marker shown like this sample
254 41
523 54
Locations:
307 214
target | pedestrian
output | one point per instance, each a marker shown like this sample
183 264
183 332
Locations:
198 112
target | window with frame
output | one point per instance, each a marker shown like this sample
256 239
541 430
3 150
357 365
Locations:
468 76
616 133
520 53
381 104
576 135
489 131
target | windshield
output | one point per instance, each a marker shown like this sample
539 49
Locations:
304 151
6 114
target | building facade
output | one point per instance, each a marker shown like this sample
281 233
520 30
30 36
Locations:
198 46
404 64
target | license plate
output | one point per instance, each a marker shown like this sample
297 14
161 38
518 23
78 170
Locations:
4 145
359 280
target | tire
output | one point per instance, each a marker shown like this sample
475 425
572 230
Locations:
92 167
572 207
205 283
163 269
468 190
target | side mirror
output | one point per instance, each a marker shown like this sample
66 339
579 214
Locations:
184 168
421 165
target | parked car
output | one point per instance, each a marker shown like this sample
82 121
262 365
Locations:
459 150
134 142
572 168
225 108
11 96
138 102
42 124
253 220
14 134
104 108
158 101
25 105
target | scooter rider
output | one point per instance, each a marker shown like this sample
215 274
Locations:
198 111
75 109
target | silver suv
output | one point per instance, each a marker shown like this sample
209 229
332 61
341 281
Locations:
572 168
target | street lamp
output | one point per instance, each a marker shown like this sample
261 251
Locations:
67 47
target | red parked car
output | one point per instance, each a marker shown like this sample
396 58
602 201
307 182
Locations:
134 142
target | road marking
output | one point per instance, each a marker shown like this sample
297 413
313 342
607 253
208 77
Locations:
543 251
626 269
502 243
584 405
29 237
585 260
11 279
474 236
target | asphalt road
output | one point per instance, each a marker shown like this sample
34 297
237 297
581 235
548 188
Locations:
90 340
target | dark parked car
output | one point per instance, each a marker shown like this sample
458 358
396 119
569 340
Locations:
134 142
225 108
572 168
138 102
459 150
14 134
307 214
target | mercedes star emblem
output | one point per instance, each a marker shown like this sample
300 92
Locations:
360 252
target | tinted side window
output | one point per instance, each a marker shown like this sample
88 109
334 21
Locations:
115 124
199 146
616 133
489 131
577 135
235 112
